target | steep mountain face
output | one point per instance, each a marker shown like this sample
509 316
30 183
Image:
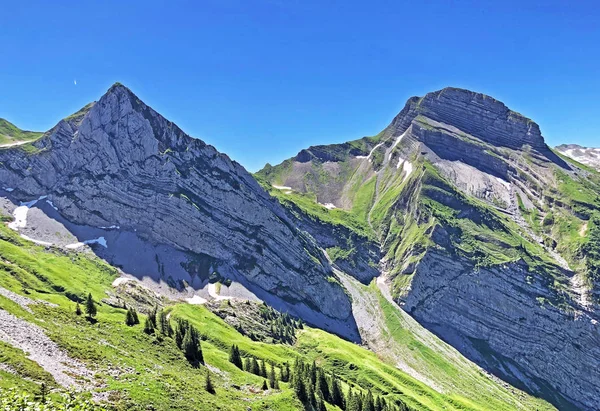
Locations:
584 155
488 237
169 207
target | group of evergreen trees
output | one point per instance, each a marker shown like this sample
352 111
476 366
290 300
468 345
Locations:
256 367
185 335
131 318
313 387
282 326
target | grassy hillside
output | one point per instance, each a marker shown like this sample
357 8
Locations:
135 371
9 133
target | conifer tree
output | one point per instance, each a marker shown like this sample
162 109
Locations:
208 386
285 377
90 306
272 378
337 397
129 320
264 386
152 316
255 368
148 326
134 313
234 357
352 403
368 404
191 347
77 309
322 386
164 325
263 369
180 332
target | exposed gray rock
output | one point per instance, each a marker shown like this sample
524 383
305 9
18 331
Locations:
118 162
504 318
585 155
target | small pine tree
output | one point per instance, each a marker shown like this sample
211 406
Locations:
272 379
43 393
352 402
322 386
148 326
337 397
129 320
368 404
152 316
191 347
264 386
286 374
164 325
136 319
255 368
208 386
78 309
263 370
235 358
90 306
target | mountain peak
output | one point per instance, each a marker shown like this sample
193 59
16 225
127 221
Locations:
474 113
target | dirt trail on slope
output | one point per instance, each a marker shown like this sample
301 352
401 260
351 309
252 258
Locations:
41 349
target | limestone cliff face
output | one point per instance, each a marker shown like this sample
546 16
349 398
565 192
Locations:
504 318
119 163
475 114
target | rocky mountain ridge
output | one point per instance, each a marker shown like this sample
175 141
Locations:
120 166
484 233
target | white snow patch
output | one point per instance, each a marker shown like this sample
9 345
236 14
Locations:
361 157
33 240
20 214
112 227
120 280
407 168
398 140
51 204
282 187
504 183
196 300
99 240
328 206
8 189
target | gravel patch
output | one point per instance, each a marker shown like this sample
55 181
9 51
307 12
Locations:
24 302
41 349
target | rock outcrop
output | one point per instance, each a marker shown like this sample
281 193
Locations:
473 113
585 155
118 163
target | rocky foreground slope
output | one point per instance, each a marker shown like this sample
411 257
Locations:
488 237
163 205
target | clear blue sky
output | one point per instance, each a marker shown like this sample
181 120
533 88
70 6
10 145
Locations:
262 79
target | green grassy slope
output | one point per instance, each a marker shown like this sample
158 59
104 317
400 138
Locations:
9 133
138 371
